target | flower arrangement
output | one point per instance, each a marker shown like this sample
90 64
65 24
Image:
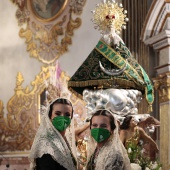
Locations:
135 153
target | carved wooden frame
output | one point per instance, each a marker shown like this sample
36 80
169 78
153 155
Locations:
48 39
18 127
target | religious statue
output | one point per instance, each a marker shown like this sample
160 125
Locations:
110 66
110 77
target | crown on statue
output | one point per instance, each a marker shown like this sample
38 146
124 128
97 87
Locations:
109 14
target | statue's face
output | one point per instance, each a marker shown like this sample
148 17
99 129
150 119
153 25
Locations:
133 122
110 29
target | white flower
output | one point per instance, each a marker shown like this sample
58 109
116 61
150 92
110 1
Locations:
160 168
142 151
154 165
147 168
129 150
135 166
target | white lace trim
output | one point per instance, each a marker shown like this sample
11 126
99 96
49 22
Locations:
48 140
111 151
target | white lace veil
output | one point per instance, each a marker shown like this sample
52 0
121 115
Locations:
49 141
114 143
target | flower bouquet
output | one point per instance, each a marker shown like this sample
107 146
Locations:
135 153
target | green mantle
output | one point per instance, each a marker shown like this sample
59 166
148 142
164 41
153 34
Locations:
90 76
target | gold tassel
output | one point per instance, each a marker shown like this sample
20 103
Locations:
150 108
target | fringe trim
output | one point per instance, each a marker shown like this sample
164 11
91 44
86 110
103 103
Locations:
76 94
106 83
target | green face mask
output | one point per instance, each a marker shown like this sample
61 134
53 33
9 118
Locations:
100 134
61 122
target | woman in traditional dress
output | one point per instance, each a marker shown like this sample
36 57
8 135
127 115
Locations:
105 150
51 148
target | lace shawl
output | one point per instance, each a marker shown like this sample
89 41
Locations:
112 155
49 141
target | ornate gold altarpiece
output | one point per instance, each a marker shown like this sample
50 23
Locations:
18 127
48 26
48 30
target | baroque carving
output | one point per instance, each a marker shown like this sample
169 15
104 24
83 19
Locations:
18 127
162 84
49 30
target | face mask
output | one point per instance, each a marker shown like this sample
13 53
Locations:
61 122
100 134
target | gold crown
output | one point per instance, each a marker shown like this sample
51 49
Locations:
109 14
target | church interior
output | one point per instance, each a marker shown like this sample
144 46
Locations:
43 49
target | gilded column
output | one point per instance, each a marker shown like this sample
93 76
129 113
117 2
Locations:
156 34
162 84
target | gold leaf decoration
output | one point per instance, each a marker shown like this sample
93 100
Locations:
47 38
18 127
